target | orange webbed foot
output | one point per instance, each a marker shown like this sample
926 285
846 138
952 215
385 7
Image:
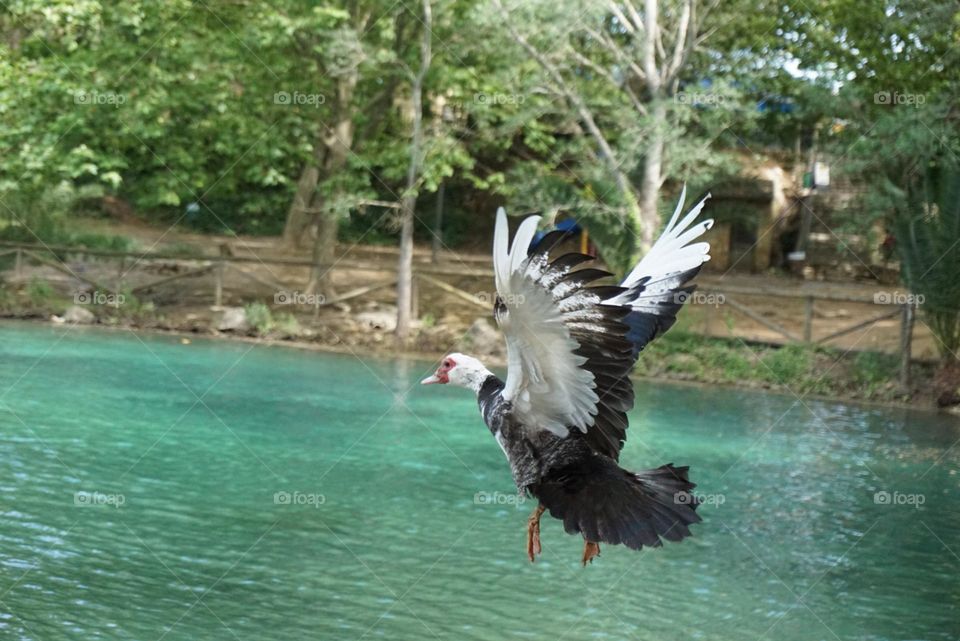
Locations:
591 551
533 534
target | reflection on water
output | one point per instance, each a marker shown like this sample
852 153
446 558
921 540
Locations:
151 489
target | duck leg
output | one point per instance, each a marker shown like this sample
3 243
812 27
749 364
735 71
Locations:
591 550
533 533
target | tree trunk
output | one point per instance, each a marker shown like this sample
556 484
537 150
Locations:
298 217
437 227
338 142
323 255
409 201
405 268
652 177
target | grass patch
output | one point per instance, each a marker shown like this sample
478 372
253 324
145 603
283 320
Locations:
802 369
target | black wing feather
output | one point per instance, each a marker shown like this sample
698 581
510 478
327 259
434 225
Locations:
656 304
601 333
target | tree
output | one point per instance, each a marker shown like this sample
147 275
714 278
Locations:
928 234
409 201
157 104
638 54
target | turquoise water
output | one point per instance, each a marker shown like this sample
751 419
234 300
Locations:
185 452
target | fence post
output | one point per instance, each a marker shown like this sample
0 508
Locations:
808 319
218 275
119 286
218 280
415 297
906 337
18 265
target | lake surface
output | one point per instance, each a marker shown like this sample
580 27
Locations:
154 490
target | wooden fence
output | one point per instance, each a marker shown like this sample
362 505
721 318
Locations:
893 307
427 273
225 260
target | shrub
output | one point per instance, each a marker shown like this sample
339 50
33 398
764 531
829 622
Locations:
260 317
928 240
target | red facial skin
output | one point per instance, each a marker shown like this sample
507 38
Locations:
442 374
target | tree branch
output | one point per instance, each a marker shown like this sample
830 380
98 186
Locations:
620 86
650 46
606 151
606 42
635 16
622 19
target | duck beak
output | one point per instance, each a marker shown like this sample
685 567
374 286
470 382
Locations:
431 380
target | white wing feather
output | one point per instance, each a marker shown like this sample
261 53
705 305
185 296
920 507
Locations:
672 254
545 381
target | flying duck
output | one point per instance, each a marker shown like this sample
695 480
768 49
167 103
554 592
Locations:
560 416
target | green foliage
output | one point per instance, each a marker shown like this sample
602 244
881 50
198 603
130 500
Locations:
789 363
874 368
928 234
98 241
7 298
211 125
730 361
36 214
186 250
38 297
40 293
260 317
286 324
131 307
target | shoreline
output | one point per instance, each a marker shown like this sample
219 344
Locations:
385 352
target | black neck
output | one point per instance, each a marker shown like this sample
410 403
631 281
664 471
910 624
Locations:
489 389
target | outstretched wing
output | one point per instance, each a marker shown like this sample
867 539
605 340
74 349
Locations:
659 285
568 356
571 344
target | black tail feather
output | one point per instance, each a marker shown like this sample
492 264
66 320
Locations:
608 504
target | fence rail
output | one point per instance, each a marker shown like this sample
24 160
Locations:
432 275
